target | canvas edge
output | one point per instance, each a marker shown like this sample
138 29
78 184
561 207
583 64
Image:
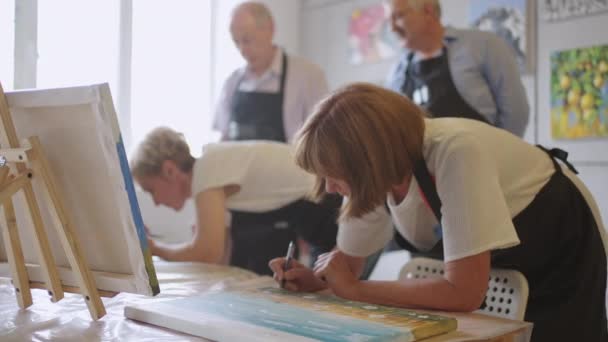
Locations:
148 278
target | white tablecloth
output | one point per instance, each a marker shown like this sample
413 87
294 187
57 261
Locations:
69 319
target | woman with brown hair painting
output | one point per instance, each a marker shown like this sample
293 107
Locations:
479 196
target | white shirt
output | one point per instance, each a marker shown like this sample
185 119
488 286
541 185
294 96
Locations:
265 171
305 85
484 177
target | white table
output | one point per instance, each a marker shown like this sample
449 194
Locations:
69 319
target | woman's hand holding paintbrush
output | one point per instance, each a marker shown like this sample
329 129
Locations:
294 276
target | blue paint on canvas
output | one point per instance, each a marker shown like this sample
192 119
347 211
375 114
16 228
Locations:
291 319
130 188
136 214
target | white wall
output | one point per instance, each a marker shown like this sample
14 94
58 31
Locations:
169 225
324 40
590 156
324 37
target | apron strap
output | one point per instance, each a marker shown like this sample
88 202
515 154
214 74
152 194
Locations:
428 190
281 81
559 154
406 72
429 194
427 185
283 74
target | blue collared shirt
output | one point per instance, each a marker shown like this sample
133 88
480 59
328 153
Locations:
486 75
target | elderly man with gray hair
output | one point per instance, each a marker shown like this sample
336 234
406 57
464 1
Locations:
269 98
446 70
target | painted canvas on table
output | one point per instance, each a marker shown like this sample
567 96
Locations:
369 34
551 10
506 18
579 93
271 314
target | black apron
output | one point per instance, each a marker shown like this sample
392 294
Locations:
258 115
430 85
561 254
258 238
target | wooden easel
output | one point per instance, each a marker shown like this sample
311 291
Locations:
20 166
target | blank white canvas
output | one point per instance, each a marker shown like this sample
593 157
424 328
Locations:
79 133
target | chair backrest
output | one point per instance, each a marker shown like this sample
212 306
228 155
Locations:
507 294
389 265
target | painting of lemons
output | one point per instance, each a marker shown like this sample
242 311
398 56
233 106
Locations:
579 93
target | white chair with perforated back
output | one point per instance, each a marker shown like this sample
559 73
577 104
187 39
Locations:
507 294
389 265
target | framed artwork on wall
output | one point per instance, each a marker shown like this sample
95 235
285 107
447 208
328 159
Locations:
509 19
579 93
551 10
370 39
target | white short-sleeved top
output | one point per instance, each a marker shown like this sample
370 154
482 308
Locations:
484 177
265 171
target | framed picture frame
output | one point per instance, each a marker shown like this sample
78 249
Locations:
512 20
554 10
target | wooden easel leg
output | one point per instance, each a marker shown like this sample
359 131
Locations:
3 174
47 262
15 256
63 225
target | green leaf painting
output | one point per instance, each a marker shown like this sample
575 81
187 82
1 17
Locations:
579 93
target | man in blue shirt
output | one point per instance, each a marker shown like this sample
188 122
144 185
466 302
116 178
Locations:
452 72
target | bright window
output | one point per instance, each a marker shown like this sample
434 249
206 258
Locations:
7 41
161 67
171 69
78 43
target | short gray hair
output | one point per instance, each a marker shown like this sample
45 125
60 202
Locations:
162 143
418 4
259 11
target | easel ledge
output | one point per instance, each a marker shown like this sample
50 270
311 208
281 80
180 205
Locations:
72 289
19 178
68 289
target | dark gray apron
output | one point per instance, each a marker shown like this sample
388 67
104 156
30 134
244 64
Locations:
258 115
561 254
259 238
430 85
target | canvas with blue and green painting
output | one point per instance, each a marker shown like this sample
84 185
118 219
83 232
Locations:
270 314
